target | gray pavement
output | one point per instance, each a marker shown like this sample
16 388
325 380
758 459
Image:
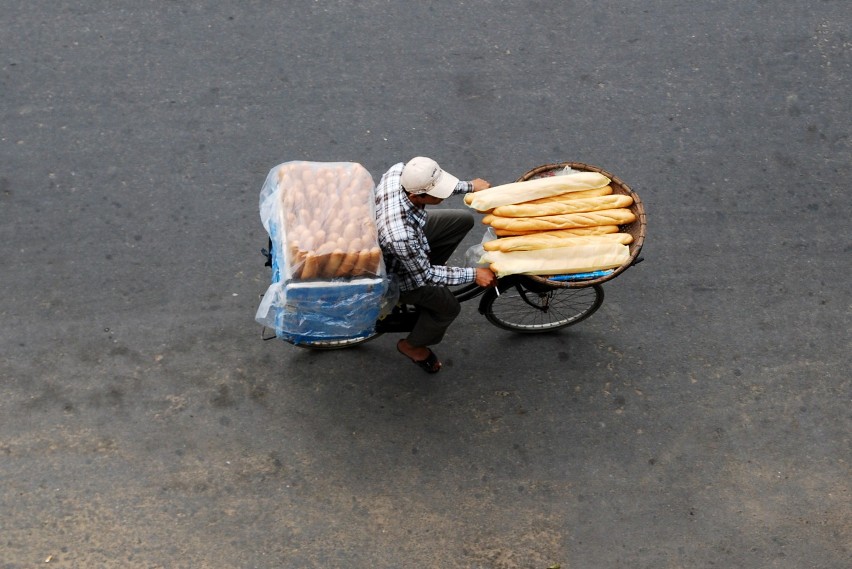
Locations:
700 419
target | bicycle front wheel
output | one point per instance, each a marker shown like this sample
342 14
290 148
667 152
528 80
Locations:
534 309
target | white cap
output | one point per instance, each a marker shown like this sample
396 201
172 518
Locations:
422 175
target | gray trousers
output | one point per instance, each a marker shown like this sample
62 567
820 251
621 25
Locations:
445 229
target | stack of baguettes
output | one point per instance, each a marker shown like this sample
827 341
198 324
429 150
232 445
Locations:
326 211
560 224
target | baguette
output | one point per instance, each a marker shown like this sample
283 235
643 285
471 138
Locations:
564 206
569 220
547 240
604 191
597 192
517 192
558 260
574 231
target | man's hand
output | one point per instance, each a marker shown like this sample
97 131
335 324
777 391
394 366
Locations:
480 184
485 278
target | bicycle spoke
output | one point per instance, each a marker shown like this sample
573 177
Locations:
523 310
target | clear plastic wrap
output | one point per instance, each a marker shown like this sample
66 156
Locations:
473 255
328 276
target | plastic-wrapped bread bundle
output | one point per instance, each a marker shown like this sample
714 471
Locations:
328 273
326 211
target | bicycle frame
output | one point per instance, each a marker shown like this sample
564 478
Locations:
403 317
471 291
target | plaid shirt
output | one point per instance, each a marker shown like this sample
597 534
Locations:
401 226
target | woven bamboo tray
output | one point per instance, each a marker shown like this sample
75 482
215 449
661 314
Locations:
636 229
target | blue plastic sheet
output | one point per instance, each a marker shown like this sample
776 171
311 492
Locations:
581 276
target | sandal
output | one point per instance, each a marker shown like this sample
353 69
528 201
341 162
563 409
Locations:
430 365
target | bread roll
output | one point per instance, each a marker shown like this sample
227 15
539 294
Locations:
292 250
311 268
333 264
351 231
566 221
321 261
323 255
297 263
348 264
361 264
564 206
375 261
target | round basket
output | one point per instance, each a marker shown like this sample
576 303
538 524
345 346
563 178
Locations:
636 229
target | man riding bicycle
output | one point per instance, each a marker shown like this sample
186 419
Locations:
416 246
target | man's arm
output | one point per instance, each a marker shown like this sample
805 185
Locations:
471 186
417 265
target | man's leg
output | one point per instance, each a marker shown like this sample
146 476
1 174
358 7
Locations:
445 229
438 309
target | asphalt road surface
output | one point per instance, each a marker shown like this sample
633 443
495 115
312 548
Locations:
701 418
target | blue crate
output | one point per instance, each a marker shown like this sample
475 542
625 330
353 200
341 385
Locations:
329 310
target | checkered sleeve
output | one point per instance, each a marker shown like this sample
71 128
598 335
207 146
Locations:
419 271
463 187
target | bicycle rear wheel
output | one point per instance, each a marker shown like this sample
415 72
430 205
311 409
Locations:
337 344
531 308
400 321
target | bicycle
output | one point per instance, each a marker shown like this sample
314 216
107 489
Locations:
522 305
526 304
